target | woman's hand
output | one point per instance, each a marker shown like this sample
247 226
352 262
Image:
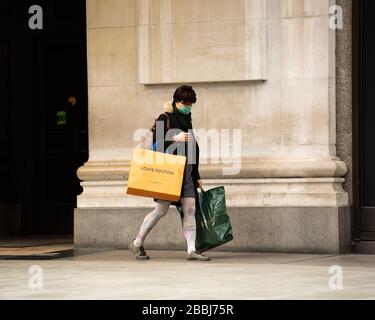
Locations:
182 136
200 184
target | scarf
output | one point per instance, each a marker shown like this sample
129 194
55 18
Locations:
185 120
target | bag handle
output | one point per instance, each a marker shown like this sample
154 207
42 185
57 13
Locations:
168 122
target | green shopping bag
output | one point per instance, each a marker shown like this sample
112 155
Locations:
212 221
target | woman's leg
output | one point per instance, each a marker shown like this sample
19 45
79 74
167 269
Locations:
150 221
189 225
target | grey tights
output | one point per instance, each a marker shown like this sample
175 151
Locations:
161 209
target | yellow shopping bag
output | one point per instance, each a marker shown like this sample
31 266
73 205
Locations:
156 174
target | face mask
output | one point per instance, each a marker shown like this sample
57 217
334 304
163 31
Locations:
185 109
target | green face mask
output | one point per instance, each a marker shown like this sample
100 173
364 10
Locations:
185 109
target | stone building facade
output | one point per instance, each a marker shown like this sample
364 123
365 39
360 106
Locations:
273 69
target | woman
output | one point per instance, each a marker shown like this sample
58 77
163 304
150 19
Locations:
178 119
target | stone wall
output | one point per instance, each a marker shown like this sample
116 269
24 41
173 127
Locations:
344 92
272 74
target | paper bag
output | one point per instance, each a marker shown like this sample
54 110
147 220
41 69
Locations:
156 175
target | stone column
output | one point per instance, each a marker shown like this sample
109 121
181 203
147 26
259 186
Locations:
266 67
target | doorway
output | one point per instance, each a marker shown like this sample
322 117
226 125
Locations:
44 117
363 125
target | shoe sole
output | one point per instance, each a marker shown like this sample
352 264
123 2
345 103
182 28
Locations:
197 259
142 258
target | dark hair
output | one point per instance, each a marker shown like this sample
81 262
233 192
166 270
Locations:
186 94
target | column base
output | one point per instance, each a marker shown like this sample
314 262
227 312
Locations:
264 229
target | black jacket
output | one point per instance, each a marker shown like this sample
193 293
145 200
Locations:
175 124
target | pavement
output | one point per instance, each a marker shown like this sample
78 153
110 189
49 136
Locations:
55 270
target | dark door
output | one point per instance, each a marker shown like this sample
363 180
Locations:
43 109
62 131
364 110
